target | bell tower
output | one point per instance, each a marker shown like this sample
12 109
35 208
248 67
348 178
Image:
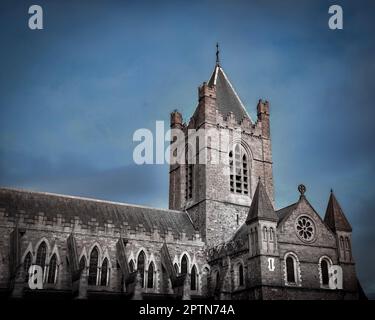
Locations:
229 152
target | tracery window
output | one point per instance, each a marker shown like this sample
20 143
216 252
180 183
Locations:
239 170
305 228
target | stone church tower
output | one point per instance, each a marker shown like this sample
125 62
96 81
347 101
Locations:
217 194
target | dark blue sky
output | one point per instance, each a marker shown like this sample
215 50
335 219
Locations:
72 95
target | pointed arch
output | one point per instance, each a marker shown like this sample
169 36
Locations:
27 261
83 255
83 263
93 266
41 254
131 266
104 273
141 261
184 264
175 266
150 275
193 278
239 167
28 249
52 269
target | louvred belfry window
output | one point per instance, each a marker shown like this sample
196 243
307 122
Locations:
239 171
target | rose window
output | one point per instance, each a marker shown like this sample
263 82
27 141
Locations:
305 228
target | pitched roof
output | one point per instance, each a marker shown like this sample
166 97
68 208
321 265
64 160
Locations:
335 217
227 99
261 206
69 207
286 211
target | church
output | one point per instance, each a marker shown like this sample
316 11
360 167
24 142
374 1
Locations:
221 238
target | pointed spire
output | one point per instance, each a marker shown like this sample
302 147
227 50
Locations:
217 54
261 206
335 217
227 99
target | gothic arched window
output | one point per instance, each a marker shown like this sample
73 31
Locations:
104 274
82 263
141 266
93 267
27 264
150 276
41 255
240 275
131 266
184 264
193 278
52 269
188 173
239 170
324 271
176 268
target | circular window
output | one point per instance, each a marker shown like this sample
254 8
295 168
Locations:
305 228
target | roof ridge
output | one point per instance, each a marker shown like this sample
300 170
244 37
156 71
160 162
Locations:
86 199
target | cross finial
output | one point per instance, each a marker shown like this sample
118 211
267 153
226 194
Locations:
217 54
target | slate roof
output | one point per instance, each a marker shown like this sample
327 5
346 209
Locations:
261 206
227 99
335 217
286 211
69 207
